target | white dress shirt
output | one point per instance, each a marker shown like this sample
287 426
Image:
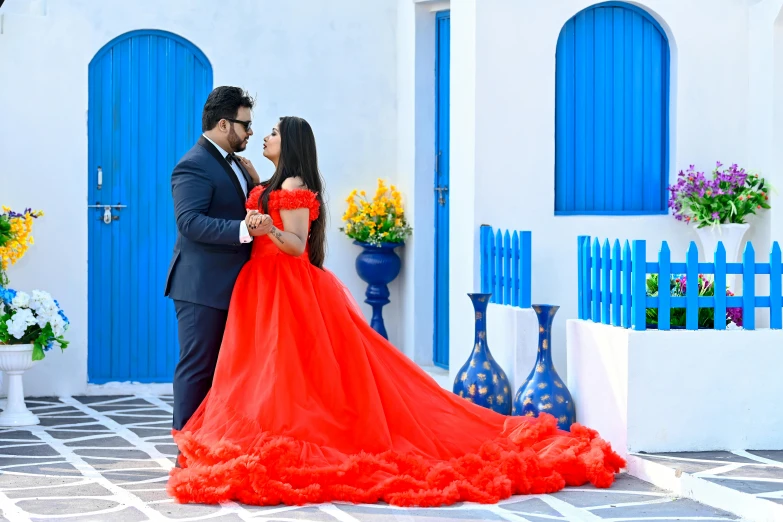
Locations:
244 235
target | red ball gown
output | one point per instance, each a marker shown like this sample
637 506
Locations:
309 404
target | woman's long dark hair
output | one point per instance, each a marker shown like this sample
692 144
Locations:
298 157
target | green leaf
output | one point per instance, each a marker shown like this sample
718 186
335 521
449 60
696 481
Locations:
38 353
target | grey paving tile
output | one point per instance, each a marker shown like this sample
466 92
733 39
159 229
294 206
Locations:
17 435
761 472
747 486
772 455
75 434
625 482
39 449
74 490
127 406
102 398
529 506
15 461
723 457
27 481
390 514
112 452
53 409
105 442
131 476
60 421
69 506
62 469
135 419
151 432
174 511
674 508
90 428
684 465
110 465
167 449
586 499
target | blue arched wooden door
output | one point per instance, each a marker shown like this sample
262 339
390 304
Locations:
146 92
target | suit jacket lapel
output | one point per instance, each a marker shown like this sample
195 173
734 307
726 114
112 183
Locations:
229 171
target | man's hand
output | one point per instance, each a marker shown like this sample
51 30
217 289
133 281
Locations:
258 224
251 170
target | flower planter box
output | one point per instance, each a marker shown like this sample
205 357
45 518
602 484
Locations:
680 390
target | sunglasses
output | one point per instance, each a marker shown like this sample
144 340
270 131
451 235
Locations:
246 124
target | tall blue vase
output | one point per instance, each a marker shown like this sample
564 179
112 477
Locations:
544 390
378 266
481 380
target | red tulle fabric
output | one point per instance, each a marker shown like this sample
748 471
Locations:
309 404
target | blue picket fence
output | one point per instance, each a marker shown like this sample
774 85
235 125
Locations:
505 266
611 278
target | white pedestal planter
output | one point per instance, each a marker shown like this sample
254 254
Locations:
731 235
15 359
655 391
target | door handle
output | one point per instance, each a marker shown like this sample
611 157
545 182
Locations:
107 215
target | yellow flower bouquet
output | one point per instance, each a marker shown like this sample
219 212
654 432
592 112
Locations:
377 221
16 236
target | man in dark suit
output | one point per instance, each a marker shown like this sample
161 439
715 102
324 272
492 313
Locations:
210 187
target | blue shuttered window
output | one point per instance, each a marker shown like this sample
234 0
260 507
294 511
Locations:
612 113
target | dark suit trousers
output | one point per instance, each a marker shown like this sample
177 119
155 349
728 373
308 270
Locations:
200 334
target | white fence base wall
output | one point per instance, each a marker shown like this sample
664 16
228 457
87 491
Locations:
654 391
512 336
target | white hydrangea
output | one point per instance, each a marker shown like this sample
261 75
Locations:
22 300
41 299
58 325
20 322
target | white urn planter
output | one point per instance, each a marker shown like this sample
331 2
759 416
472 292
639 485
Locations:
15 359
731 235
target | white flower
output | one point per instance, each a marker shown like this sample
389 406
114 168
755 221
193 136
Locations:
58 325
20 322
42 303
21 300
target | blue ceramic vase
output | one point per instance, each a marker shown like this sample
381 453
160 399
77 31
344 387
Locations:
378 266
481 380
543 390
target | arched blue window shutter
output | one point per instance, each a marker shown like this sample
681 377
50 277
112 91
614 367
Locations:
612 113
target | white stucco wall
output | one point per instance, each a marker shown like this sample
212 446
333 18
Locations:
503 171
333 63
654 391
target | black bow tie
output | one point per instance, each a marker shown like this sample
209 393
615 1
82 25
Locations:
232 158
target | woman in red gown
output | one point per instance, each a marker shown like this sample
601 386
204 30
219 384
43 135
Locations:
309 404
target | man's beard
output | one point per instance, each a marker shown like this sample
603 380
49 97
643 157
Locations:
237 145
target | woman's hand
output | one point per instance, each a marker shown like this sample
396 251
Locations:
251 170
258 224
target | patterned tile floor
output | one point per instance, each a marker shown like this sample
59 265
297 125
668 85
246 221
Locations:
757 473
107 459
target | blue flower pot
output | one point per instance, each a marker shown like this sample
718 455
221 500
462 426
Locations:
378 266
544 390
481 380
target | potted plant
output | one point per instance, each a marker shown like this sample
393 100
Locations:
378 226
718 207
15 238
677 287
30 325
